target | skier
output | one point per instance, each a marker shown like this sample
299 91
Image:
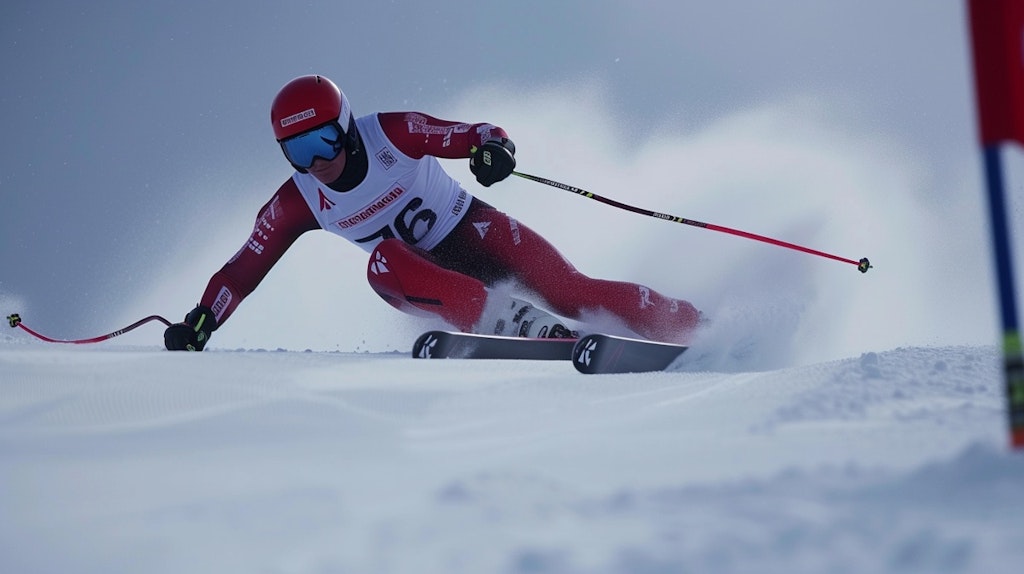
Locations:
434 248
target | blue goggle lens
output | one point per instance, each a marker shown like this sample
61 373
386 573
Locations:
325 142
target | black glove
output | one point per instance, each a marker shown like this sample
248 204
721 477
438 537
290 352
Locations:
493 161
192 334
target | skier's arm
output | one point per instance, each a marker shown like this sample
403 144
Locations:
417 135
491 153
279 223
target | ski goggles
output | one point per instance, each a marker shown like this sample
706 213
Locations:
325 142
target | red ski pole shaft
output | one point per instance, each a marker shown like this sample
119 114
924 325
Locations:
15 321
862 265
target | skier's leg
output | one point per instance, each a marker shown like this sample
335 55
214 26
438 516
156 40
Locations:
410 281
489 235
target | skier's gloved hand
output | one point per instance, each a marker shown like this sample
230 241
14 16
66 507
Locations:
193 333
493 161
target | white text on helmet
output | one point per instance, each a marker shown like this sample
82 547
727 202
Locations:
294 118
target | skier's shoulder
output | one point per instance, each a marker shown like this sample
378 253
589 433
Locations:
288 208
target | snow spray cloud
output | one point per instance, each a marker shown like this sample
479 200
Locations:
786 169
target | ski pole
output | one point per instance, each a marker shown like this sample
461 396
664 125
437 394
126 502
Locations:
862 265
15 321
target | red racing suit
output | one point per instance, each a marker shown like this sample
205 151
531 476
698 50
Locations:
444 245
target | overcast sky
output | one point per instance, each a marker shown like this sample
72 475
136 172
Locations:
137 147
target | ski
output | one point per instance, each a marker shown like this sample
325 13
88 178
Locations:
454 345
591 354
598 354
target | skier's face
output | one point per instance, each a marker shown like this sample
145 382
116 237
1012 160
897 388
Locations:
328 171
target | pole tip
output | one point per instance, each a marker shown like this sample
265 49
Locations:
863 265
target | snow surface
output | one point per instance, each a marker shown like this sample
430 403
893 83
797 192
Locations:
130 459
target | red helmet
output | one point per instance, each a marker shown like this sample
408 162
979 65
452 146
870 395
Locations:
307 102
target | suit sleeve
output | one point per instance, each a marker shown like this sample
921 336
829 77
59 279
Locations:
417 135
279 223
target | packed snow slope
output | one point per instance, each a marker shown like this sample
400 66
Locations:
123 459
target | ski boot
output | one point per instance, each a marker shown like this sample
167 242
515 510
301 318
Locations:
522 319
